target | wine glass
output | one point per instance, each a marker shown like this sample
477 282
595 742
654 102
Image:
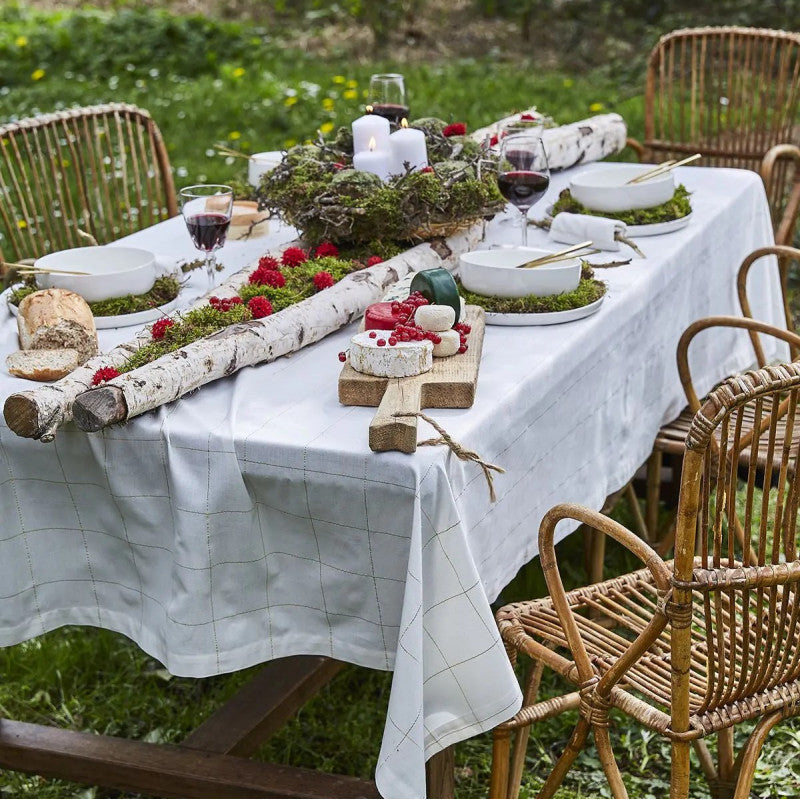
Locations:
387 96
523 175
207 211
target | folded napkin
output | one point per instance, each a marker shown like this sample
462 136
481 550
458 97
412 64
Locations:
574 228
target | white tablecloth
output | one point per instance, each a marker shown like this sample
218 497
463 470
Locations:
251 521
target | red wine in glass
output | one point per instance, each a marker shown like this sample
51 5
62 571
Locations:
208 230
391 111
523 188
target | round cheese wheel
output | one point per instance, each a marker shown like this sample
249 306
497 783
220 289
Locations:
449 344
438 286
436 317
379 316
389 361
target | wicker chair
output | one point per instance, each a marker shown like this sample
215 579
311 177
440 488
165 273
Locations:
102 171
688 648
731 94
670 439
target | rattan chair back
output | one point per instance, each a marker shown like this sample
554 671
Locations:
101 170
739 587
730 93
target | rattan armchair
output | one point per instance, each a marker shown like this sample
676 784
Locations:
688 648
670 439
733 95
99 172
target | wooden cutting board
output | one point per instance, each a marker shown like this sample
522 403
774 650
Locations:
450 383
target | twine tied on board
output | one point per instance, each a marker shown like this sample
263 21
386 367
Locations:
458 449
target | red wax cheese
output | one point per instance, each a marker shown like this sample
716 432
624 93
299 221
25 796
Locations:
379 316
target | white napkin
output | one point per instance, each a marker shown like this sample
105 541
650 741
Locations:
574 228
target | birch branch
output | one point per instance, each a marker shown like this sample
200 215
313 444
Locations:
577 143
258 341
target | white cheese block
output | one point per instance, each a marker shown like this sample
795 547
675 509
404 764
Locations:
451 341
389 361
435 317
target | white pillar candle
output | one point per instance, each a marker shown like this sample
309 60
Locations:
378 162
408 145
261 163
370 126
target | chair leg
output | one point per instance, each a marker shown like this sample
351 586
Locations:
653 493
501 745
640 523
609 762
574 746
725 782
679 781
597 556
523 734
748 758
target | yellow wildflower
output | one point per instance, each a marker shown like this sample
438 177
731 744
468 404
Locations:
596 107
326 127
352 84
290 101
21 41
339 79
234 135
37 74
238 72
567 83
350 94
21 224
327 104
290 143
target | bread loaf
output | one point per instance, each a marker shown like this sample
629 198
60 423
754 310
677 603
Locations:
43 365
51 319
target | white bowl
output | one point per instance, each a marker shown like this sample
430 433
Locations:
606 189
113 271
494 273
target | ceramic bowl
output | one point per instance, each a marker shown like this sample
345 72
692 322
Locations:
608 190
113 271
495 273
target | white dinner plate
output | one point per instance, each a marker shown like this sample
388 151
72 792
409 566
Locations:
545 317
652 229
121 320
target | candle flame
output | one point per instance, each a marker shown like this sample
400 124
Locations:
372 143
368 109
404 123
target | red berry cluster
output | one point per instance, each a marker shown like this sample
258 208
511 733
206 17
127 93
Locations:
260 307
267 277
160 327
293 257
323 280
268 263
373 260
224 304
464 330
326 249
427 169
104 374
455 129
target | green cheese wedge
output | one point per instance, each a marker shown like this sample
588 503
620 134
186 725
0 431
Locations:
438 286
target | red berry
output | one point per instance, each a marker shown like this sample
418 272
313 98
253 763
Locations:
213 300
381 342
404 337
373 260
372 334
342 356
436 338
462 349
392 341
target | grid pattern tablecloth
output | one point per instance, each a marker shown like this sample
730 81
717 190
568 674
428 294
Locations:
250 521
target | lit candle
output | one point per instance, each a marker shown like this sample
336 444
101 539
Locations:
408 147
372 160
370 126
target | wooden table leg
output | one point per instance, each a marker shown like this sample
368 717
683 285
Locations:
440 773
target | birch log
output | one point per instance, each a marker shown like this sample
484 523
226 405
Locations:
258 341
39 412
577 143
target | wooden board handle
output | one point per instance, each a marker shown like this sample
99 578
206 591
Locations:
388 432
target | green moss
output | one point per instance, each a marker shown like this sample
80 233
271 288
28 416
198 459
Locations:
589 290
675 208
164 290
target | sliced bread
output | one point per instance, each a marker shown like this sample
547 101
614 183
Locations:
43 365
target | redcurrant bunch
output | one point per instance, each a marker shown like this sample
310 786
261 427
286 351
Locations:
224 304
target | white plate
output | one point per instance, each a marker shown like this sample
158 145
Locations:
653 229
123 320
545 317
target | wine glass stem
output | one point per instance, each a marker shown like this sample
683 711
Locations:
211 268
524 226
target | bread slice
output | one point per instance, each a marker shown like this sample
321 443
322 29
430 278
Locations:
43 365
54 319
